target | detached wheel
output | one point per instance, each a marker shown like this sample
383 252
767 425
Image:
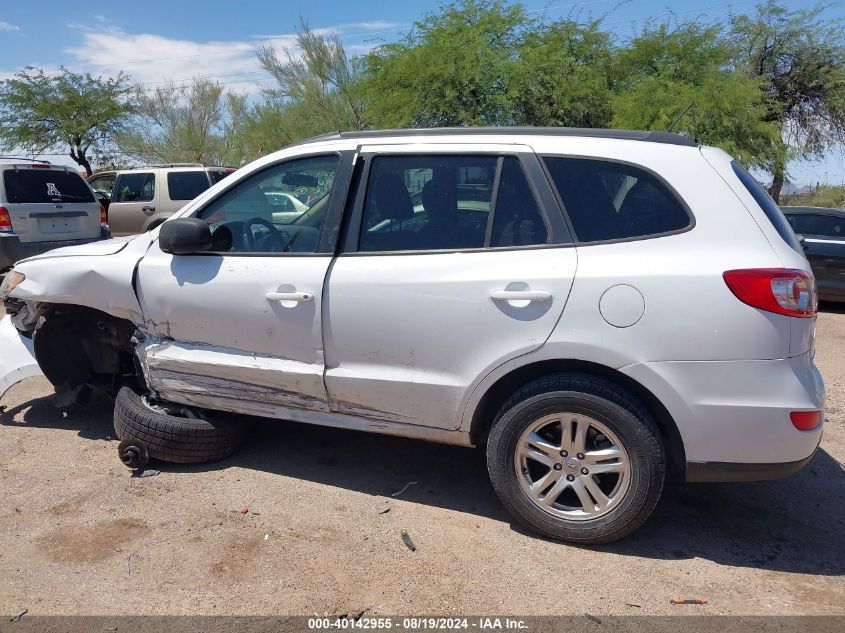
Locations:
176 433
576 459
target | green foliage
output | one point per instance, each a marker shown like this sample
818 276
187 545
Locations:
79 112
455 68
667 71
188 123
316 91
827 196
798 58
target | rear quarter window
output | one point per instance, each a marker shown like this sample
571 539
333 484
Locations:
45 186
768 206
186 185
606 200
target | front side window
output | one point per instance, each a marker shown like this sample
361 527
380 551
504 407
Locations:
425 202
186 185
818 225
613 201
278 210
103 185
134 187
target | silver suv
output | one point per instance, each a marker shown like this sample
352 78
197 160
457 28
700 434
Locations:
570 300
144 197
44 206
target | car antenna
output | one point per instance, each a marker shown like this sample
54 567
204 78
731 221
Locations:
681 116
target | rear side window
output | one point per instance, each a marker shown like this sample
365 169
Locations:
45 186
765 202
186 185
614 201
219 174
135 187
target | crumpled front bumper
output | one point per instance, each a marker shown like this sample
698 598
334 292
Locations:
17 360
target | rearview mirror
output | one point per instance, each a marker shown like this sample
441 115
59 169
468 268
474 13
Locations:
184 236
300 180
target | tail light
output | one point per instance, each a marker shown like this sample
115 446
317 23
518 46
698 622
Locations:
785 291
104 219
5 221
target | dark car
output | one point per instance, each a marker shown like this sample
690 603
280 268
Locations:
824 243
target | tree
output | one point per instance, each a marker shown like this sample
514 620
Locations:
799 58
317 88
562 76
77 111
682 77
188 123
455 68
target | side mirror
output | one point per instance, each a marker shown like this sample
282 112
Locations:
183 236
800 239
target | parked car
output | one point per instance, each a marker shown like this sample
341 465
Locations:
102 183
582 314
144 197
45 206
823 231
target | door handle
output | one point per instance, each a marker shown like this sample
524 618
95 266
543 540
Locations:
521 295
148 209
299 297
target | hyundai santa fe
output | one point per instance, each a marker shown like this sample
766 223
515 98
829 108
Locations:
593 308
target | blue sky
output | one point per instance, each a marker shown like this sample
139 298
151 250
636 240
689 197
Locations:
155 41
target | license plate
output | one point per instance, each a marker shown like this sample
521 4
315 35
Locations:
59 225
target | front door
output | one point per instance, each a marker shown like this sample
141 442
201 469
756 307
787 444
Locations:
239 328
456 261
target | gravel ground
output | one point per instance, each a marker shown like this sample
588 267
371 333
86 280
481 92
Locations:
78 535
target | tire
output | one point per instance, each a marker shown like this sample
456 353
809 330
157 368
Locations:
174 438
543 489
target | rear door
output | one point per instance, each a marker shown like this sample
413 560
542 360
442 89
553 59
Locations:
134 201
48 204
455 261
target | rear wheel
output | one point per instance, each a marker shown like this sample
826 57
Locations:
176 433
576 458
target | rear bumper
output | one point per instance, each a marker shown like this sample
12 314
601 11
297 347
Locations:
12 250
733 416
17 360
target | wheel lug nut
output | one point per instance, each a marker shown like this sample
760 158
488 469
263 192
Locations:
584 471
570 478
564 454
580 455
558 466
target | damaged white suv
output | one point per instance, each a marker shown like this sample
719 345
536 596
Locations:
593 306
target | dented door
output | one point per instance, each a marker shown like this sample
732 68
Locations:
239 328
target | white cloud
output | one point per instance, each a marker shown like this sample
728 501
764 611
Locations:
151 60
5 26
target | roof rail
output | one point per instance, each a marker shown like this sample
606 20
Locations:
631 135
26 159
167 165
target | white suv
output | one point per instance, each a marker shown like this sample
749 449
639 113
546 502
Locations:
569 299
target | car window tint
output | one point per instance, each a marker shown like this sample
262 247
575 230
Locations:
45 186
425 202
134 187
186 185
612 201
517 220
278 210
219 174
768 206
817 224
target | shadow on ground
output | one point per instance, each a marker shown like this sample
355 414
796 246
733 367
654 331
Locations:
793 525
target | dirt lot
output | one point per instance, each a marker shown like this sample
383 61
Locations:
78 535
